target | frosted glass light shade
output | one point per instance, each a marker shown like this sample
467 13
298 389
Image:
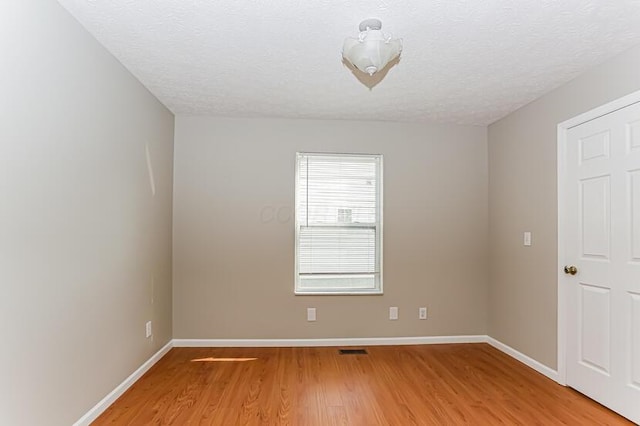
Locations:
371 51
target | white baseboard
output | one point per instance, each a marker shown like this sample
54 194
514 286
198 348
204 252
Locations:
539 367
101 406
366 341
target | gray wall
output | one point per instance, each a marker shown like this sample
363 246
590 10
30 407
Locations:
81 236
234 273
523 197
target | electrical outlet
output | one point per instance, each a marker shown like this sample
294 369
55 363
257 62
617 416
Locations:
527 239
422 313
393 313
148 329
311 314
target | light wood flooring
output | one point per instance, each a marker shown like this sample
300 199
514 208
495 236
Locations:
393 385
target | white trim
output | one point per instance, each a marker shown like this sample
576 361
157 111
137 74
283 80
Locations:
561 289
562 144
605 109
528 361
367 341
101 406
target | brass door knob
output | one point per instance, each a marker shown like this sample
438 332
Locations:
570 270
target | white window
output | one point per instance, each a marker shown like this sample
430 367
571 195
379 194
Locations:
338 224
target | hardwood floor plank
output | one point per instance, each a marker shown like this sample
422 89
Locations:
393 385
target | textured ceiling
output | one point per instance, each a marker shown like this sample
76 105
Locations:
464 61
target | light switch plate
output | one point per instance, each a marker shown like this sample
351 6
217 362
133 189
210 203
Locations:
527 238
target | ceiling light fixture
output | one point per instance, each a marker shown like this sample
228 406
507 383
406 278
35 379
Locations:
371 51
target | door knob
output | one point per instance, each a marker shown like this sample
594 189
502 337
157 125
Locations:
570 270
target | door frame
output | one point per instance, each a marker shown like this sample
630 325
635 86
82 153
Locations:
563 281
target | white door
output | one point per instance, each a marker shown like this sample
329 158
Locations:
603 243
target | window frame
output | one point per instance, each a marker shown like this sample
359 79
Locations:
378 290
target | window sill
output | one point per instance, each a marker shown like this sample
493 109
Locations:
339 293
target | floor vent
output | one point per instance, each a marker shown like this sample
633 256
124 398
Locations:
352 351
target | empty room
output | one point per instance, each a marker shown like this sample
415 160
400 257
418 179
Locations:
319 213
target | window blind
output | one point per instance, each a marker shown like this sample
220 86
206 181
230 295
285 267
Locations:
338 222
